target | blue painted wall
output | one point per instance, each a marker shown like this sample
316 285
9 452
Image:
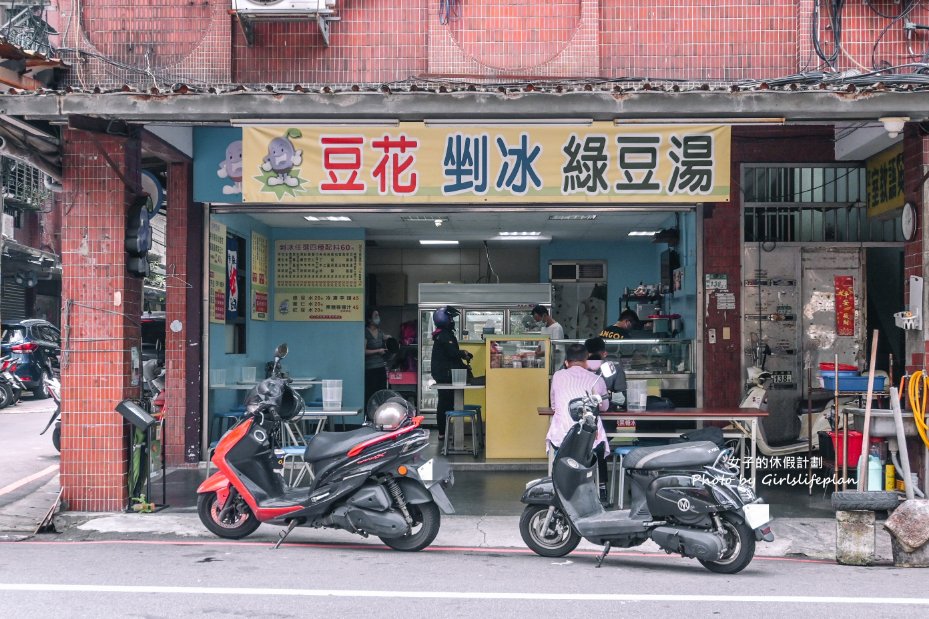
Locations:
684 301
322 349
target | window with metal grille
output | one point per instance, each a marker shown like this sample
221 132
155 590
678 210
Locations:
812 204
23 185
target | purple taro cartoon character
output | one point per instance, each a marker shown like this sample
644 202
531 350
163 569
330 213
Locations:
281 159
231 168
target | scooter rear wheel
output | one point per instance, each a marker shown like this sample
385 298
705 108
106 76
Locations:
56 437
6 395
426 516
243 522
559 540
740 541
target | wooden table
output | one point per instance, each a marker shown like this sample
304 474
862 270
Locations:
735 416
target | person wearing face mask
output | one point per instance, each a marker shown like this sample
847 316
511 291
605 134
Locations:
375 354
553 330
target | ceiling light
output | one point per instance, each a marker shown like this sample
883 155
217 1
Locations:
894 125
520 237
423 218
437 242
644 232
327 218
520 233
572 217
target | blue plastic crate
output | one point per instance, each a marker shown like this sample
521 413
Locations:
852 383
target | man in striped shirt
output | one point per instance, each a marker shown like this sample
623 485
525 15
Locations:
575 381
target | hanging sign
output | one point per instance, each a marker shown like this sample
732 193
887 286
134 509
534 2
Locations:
259 278
885 181
419 163
217 289
844 305
318 280
716 281
232 279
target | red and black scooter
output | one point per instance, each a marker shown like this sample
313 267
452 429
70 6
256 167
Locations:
370 481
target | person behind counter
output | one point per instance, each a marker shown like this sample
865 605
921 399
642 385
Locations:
553 330
575 381
446 356
375 355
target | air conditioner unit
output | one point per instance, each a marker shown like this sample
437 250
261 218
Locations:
268 8
577 271
9 226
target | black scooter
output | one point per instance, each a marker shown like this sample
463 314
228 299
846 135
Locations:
686 498
366 481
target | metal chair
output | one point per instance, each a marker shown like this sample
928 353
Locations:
474 416
295 454
480 420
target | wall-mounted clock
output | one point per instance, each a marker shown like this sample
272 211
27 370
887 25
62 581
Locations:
908 221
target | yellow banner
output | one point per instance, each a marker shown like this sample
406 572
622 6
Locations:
423 164
260 284
885 181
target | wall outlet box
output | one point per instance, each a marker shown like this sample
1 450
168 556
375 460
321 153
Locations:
711 336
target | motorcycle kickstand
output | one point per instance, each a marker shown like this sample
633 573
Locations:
283 534
606 551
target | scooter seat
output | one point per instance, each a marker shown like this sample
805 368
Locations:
325 445
675 456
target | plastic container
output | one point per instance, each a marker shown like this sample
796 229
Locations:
459 377
636 395
248 375
890 478
874 469
217 378
851 381
332 395
854 447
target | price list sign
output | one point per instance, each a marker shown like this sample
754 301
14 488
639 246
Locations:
259 301
319 280
217 288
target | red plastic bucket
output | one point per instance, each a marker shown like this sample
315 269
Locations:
855 439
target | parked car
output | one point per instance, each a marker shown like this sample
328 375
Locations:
34 346
153 336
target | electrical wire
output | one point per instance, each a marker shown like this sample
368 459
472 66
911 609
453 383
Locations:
490 264
835 22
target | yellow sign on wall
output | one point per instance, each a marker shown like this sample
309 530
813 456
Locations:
318 280
885 181
217 287
418 163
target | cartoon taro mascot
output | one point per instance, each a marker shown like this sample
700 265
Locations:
281 159
231 168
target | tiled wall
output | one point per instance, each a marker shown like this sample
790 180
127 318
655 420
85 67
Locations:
101 303
380 42
916 164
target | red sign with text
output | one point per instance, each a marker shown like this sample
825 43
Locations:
844 305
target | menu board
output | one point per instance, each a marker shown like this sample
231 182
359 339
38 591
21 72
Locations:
259 300
217 305
318 280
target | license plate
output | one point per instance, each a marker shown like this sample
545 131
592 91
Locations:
425 470
756 514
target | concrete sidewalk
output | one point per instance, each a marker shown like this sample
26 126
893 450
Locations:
812 538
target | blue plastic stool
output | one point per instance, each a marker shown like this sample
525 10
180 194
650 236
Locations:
618 454
480 420
223 421
466 414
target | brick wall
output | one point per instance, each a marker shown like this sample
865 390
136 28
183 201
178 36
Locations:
183 359
722 247
915 156
101 303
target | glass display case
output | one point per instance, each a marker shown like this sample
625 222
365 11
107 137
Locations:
516 354
668 362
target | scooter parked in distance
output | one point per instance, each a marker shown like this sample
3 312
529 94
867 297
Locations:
685 497
369 481
52 387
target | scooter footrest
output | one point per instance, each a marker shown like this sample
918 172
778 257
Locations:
609 524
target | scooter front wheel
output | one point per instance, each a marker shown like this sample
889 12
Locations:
557 541
740 547
56 437
238 524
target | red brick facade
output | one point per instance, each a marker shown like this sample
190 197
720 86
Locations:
916 159
101 304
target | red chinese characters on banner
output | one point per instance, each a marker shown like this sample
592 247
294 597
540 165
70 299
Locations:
394 163
844 305
342 160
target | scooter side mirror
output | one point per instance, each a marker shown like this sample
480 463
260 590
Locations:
281 350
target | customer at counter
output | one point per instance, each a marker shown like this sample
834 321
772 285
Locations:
446 356
553 330
596 356
575 381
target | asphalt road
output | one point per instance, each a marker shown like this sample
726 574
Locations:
232 579
27 460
